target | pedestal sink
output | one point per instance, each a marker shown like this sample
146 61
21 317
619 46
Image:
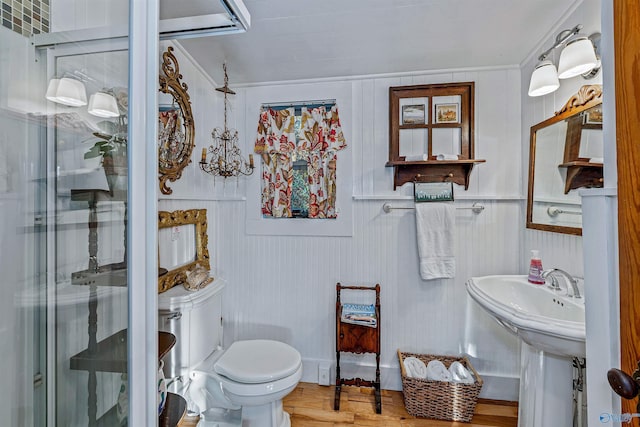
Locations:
545 319
551 326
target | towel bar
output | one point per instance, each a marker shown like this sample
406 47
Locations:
476 208
554 211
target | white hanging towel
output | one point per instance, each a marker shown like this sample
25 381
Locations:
435 225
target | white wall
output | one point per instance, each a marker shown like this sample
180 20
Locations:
283 287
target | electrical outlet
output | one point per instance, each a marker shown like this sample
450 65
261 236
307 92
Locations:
324 374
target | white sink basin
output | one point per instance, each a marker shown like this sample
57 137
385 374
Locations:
543 318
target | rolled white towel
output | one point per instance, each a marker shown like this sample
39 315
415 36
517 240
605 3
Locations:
415 368
436 371
596 160
460 374
416 158
447 157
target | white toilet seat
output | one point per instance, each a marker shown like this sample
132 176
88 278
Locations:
279 361
258 361
267 389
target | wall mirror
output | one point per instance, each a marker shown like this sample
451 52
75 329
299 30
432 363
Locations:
182 243
566 154
175 123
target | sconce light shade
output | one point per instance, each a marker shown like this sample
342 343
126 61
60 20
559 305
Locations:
578 57
52 89
544 79
102 104
67 91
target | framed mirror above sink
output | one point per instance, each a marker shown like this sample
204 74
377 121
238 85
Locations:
566 154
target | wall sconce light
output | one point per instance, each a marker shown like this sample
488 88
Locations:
226 159
103 104
579 56
67 91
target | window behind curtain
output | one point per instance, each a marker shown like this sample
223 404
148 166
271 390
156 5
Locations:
299 160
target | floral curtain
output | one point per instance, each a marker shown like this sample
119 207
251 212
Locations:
276 142
320 139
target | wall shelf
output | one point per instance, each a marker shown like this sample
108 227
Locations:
428 120
456 171
581 174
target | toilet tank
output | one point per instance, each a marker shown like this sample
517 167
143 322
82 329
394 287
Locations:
195 318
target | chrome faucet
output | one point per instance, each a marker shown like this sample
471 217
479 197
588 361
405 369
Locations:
555 285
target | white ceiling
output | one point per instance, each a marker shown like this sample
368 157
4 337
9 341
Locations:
302 39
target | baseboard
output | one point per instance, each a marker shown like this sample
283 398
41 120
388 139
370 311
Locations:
495 387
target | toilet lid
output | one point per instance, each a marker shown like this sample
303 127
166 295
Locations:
258 361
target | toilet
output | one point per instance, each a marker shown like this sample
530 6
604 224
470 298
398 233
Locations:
242 385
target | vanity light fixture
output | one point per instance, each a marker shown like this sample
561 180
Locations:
579 56
226 159
103 104
67 91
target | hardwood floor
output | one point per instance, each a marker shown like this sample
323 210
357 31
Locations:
311 405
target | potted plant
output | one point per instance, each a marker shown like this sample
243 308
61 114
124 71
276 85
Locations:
111 146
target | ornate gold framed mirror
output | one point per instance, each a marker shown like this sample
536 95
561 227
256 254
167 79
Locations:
175 123
182 243
566 154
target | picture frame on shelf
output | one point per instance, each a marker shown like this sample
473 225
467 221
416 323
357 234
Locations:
413 114
593 116
432 192
447 113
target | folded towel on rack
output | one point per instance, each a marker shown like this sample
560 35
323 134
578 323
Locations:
446 157
596 160
435 227
460 374
436 371
415 368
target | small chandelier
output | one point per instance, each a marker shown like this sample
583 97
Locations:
226 159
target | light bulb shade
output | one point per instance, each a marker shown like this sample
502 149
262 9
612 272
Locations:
102 104
70 92
544 79
578 57
52 89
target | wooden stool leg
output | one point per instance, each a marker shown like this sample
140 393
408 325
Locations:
377 385
336 399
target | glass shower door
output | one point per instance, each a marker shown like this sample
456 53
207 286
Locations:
70 216
89 297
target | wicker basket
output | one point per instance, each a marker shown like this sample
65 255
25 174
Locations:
437 399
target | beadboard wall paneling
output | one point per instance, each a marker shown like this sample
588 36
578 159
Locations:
283 287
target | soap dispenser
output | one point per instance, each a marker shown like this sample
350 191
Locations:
535 269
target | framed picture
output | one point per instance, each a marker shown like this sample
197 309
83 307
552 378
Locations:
593 116
447 113
432 192
413 114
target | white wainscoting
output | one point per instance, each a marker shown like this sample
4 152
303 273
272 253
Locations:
283 287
